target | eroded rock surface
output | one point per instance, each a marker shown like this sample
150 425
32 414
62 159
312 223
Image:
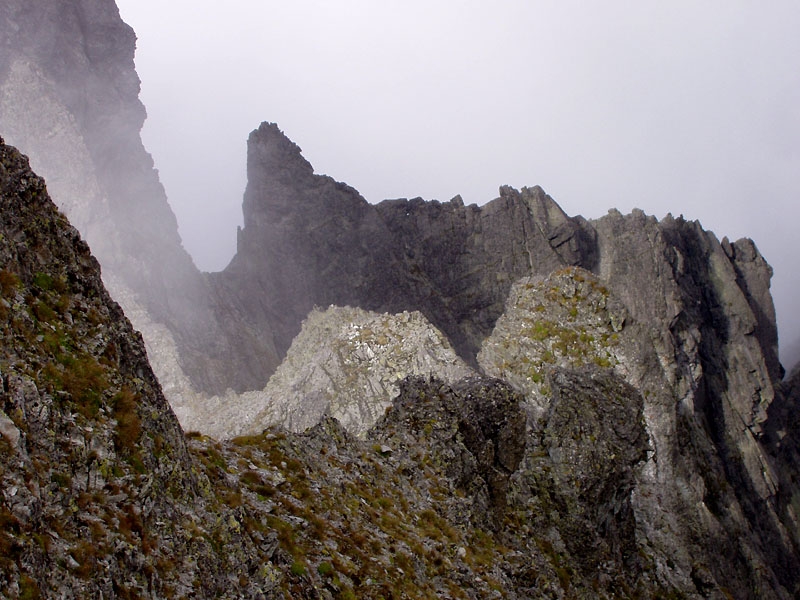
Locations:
631 478
706 463
311 241
641 443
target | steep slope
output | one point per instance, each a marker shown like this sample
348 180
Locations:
464 490
434 503
708 482
69 98
685 319
100 497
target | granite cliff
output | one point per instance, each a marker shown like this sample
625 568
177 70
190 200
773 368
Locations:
309 240
522 290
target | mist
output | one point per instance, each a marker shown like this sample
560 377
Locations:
674 108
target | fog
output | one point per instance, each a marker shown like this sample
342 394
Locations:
680 107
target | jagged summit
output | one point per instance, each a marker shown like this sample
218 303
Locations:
271 153
309 240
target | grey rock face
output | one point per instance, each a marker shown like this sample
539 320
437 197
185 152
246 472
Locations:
308 240
782 440
556 490
69 98
694 358
684 319
586 456
567 319
345 363
706 466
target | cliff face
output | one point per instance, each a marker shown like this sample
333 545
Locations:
468 490
636 440
310 241
69 98
708 482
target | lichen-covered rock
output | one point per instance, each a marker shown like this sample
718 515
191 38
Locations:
474 429
346 363
567 319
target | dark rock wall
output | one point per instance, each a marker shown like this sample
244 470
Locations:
703 352
718 475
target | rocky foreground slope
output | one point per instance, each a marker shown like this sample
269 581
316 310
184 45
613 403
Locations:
589 480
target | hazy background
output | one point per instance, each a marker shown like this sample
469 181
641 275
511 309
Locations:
683 107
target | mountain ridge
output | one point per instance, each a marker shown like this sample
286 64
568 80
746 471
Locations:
456 491
636 439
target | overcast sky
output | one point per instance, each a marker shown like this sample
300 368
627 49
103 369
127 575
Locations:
685 107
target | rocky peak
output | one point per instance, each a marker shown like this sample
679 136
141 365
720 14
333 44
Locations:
309 240
346 363
273 157
635 440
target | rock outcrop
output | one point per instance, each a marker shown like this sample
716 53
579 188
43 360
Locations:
593 478
709 466
345 363
683 318
623 430
311 241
